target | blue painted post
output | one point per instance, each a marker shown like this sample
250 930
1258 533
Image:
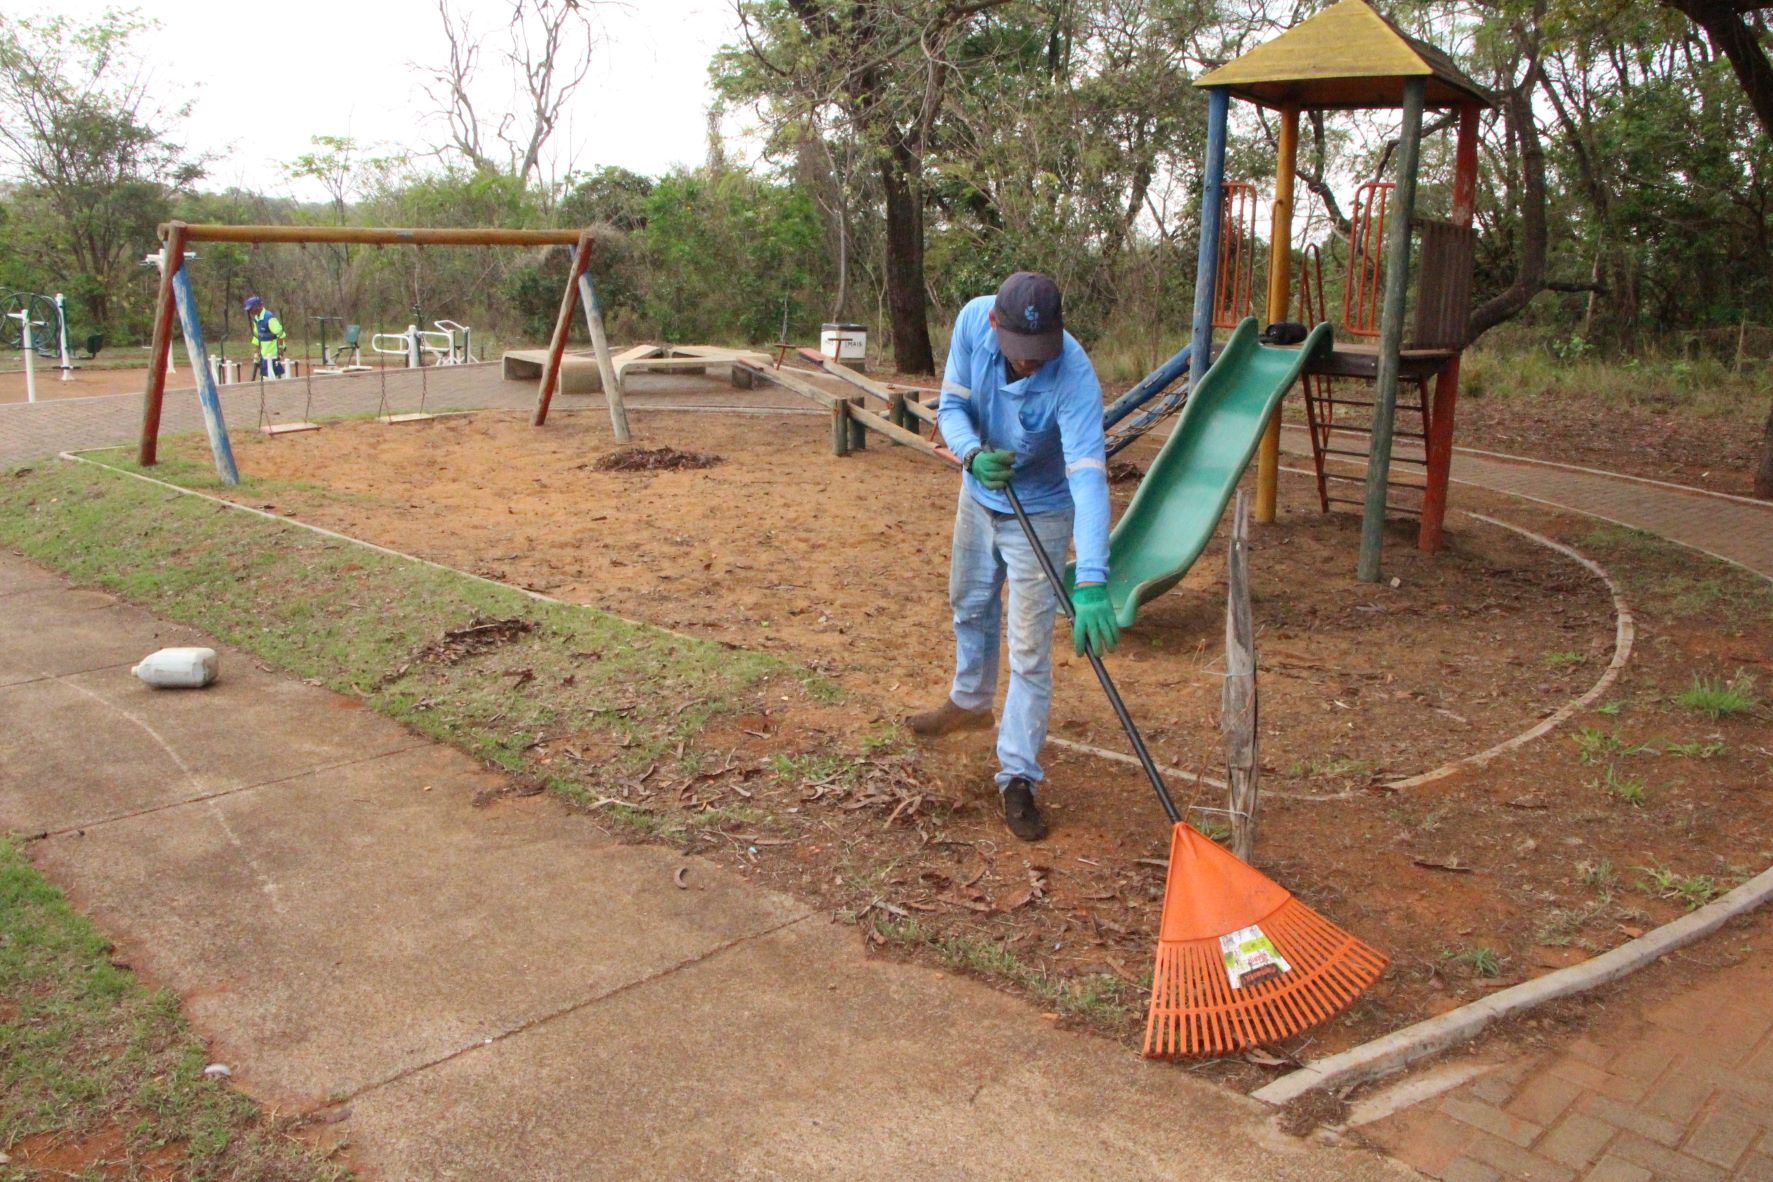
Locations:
1211 202
206 391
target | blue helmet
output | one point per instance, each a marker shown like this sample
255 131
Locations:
254 302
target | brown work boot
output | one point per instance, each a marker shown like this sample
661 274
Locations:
949 719
1020 813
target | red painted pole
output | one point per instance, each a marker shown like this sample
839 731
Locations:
569 303
1446 383
164 317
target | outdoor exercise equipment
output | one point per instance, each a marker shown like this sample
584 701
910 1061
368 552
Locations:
43 311
325 357
27 342
175 302
421 347
1240 961
1349 57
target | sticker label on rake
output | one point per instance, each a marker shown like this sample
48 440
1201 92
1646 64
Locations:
1251 958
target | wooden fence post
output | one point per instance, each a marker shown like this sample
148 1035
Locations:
840 427
1238 711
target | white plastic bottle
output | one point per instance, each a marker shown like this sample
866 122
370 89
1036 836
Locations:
178 668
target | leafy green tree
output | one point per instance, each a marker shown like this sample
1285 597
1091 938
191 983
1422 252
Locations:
82 133
883 70
723 256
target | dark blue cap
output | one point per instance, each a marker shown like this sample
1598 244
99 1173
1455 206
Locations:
1030 317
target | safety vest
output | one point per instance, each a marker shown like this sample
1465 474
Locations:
267 327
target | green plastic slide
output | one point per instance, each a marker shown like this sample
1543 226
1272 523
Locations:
1178 504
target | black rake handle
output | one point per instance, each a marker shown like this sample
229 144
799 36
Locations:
1120 707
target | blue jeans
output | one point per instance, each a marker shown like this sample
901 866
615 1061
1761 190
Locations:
988 548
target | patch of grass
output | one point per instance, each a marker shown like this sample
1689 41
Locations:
889 739
1482 961
1217 831
1695 890
1566 657
1716 698
1708 749
1561 924
375 626
1336 767
1674 579
1099 999
1610 708
1597 874
86 1049
1594 745
1625 789
821 767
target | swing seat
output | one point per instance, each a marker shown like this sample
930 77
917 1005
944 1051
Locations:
287 428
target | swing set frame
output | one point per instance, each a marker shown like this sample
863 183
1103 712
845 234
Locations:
176 302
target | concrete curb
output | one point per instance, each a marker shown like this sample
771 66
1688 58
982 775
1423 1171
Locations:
1405 1046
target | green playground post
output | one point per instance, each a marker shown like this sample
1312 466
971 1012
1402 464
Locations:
1391 331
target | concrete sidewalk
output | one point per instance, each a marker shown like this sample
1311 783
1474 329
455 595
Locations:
500 991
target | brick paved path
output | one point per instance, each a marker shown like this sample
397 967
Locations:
1736 530
1682 1090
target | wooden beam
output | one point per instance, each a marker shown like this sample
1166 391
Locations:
862 382
1238 708
377 235
878 423
563 324
788 381
172 257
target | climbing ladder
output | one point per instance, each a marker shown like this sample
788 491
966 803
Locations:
1341 427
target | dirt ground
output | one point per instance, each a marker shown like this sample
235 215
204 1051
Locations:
1469 884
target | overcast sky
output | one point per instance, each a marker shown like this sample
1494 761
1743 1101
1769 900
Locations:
265 76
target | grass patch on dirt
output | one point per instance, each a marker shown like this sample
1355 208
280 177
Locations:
1100 1000
592 687
1664 574
99 1075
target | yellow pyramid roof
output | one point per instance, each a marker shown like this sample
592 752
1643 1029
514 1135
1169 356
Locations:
1346 56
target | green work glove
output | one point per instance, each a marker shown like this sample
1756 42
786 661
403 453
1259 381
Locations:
992 468
1095 624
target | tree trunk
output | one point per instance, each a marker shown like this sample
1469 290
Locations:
1723 24
1529 279
906 302
1764 476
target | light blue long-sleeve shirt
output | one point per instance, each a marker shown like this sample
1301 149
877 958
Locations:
1051 419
